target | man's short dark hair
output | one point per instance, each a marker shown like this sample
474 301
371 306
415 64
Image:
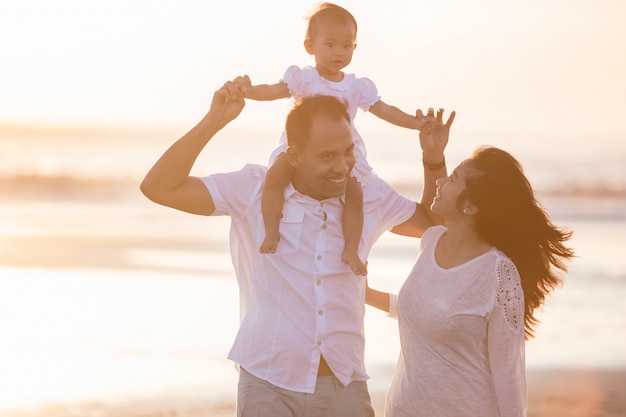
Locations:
300 118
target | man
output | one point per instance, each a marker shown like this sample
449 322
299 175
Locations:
300 345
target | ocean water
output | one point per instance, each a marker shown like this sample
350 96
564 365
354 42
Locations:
108 297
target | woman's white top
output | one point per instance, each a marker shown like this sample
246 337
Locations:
462 338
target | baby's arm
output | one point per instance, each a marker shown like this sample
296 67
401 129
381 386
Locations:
268 92
396 116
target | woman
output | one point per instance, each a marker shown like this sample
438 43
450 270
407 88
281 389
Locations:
467 307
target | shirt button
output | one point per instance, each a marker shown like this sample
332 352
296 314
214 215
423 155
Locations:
319 343
321 312
318 282
324 227
319 257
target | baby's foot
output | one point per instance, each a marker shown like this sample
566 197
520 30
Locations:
352 258
270 243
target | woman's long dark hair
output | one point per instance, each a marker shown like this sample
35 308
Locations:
511 219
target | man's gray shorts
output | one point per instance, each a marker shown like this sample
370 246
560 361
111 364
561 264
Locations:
258 398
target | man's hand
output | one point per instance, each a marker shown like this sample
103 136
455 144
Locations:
228 101
423 121
434 136
169 182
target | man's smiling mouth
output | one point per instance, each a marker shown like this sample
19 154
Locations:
338 181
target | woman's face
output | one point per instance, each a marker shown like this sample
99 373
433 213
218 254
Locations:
449 189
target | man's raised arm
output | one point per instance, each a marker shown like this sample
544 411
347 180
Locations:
433 141
168 182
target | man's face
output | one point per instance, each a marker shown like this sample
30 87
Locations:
323 167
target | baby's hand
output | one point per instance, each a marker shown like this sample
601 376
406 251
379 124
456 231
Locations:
421 120
243 85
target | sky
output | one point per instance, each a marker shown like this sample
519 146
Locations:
536 66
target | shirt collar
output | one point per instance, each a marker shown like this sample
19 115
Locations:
290 191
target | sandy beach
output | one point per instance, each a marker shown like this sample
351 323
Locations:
577 393
551 393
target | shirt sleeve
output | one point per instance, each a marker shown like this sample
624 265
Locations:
369 93
232 192
296 79
393 306
506 342
391 207
431 234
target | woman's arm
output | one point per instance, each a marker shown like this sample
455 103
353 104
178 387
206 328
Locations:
433 141
506 343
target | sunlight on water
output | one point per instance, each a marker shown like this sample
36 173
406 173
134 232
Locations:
73 335
181 260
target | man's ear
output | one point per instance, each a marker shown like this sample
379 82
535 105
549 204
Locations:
308 45
293 157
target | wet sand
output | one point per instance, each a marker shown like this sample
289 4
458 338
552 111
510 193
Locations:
551 393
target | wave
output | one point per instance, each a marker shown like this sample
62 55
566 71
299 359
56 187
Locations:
41 187
578 200
571 190
51 184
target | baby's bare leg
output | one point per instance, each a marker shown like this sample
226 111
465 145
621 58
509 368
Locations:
352 222
277 178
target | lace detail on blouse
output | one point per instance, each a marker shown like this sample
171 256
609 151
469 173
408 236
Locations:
510 295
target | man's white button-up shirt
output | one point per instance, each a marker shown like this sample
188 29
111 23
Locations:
301 302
